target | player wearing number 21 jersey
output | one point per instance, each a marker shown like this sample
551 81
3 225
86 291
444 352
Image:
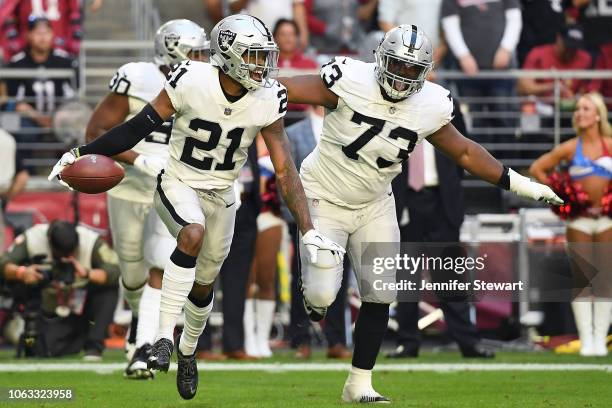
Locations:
142 244
218 110
377 113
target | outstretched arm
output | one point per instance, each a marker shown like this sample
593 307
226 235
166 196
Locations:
479 162
310 90
467 153
287 176
128 134
122 137
110 112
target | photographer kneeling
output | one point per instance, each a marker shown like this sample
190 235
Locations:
69 276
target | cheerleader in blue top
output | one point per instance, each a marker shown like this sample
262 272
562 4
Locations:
589 233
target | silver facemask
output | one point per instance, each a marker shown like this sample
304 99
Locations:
243 47
403 61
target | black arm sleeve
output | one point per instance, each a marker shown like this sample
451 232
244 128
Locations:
125 136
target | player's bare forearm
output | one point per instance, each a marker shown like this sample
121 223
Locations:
475 159
309 89
110 112
126 157
293 193
468 154
287 176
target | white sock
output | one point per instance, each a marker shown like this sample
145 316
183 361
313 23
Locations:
583 316
359 377
250 340
148 323
264 314
132 297
195 322
602 308
358 384
176 285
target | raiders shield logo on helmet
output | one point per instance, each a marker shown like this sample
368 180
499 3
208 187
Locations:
226 39
171 40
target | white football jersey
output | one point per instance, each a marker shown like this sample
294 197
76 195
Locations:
366 138
210 135
141 82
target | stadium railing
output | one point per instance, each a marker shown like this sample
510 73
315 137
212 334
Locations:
41 148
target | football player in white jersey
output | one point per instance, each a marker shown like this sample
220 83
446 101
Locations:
377 113
219 108
141 245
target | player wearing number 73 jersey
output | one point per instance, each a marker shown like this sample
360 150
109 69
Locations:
219 108
377 113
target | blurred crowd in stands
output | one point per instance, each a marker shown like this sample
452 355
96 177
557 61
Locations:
469 36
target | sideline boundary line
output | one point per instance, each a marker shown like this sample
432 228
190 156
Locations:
107 368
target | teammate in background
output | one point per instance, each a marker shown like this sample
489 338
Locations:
377 113
137 237
220 108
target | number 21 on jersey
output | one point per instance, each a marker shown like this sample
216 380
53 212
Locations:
206 163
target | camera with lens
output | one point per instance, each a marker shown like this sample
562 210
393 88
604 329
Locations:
57 271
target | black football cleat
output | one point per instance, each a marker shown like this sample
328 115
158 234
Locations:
137 368
362 396
403 352
476 351
160 355
374 399
187 375
316 314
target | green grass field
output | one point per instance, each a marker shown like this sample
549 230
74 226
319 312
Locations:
279 387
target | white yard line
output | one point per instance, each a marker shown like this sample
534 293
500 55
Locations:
105 368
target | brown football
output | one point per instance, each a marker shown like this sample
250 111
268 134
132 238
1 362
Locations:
93 174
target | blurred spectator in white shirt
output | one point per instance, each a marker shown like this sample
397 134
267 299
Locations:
423 13
337 26
13 177
270 11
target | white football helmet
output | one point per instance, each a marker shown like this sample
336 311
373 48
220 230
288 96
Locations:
178 40
403 61
243 47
